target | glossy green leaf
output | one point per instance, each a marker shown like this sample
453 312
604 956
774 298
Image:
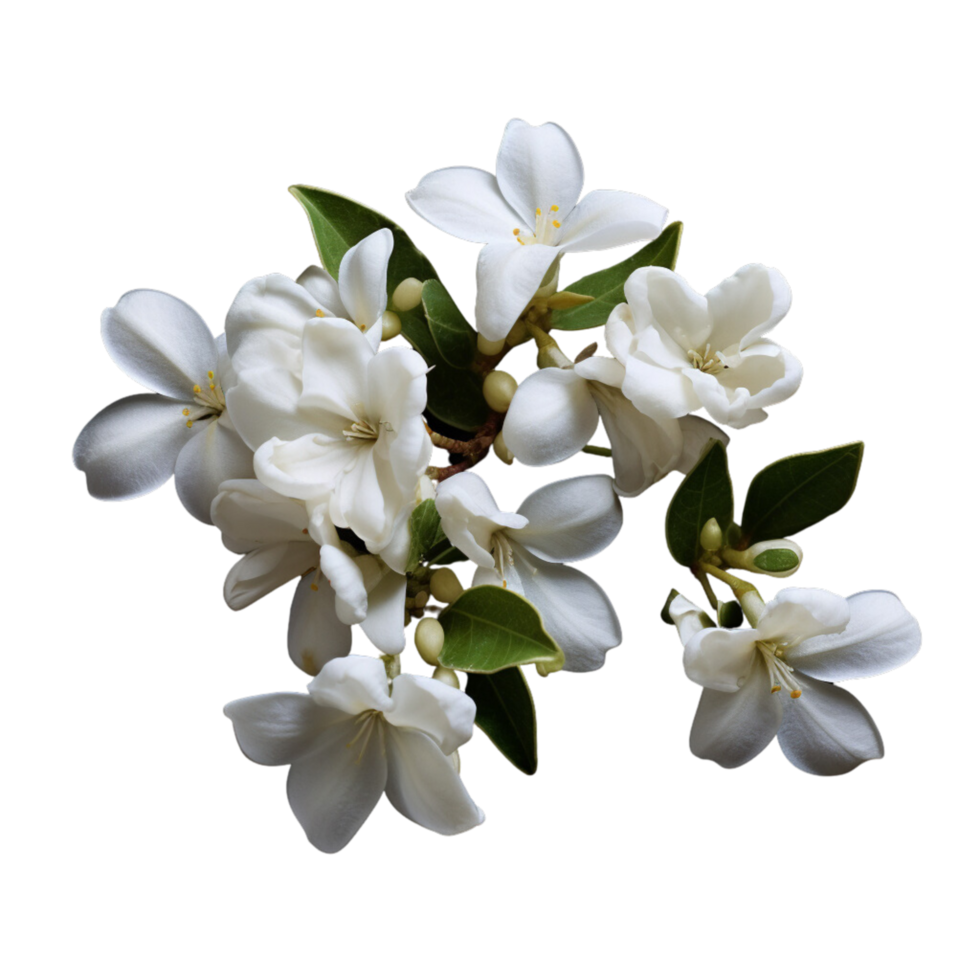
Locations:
606 287
454 338
428 543
796 492
705 493
505 713
489 629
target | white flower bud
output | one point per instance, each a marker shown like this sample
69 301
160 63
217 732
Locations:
500 448
489 347
498 390
429 640
447 676
391 325
407 295
444 585
711 536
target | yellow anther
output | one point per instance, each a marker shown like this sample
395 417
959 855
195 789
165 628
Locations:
187 411
211 386
776 688
537 211
363 327
554 207
320 313
557 224
314 587
197 389
505 582
517 231
795 694
190 422
211 375
306 530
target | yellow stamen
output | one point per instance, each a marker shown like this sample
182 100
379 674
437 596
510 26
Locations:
776 688
187 411
517 231
537 211
314 587
197 389
190 422
554 207
320 313
211 377
211 386
795 694
557 224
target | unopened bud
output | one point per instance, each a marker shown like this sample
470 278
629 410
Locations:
429 640
500 448
391 325
407 295
567 301
447 676
498 390
421 599
444 585
489 347
711 536
777 558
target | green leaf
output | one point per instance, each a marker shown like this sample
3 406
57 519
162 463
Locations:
665 612
606 287
730 615
489 628
505 713
455 397
797 492
454 338
428 543
705 493
776 560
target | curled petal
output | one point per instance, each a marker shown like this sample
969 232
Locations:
352 685
384 624
747 305
470 516
662 299
276 729
363 279
266 568
442 712
249 514
721 659
325 290
794 615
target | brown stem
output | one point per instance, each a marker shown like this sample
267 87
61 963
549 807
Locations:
473 450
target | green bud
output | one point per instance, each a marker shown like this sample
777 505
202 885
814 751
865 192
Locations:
391 325
407 295
498 390
711 537
429 640
445 586
447 676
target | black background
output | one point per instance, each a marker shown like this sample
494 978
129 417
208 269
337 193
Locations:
199 215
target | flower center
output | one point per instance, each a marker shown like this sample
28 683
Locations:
210 399
503 555
368 721
362 429
546 227
704 360
780 672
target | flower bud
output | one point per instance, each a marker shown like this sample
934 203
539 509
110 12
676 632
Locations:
407 295
500 448
391 325
489 347
711 536
777 558
429 640
447 676
421 599
444 585
498 390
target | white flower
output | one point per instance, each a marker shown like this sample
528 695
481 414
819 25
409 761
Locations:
779 678
683 351
528 214
280 543
137 443
351 739
555 412
566 521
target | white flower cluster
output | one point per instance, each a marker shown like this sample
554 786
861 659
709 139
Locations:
309 446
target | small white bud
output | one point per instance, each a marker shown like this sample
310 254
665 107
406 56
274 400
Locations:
429 640
711 536
407 295
500 448
498 390
391 325
444 585
447 676
489 347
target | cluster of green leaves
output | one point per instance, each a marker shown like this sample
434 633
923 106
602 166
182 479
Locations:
489 633
435 328
784 498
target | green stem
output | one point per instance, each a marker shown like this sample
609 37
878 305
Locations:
597 450
708 591
746 593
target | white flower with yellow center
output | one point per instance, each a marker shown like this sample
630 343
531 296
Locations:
528 214
778 679
137 443
354 737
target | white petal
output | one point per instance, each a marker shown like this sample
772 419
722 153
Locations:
269 310
467 203
794 615
570 520
352 685
131 447
266 568
747 305
384 624
659 297
537 167
440 711
424 786
395 388
345 576
880 635
827 731
264 405
159 341
606 370
605 219
470 516
551 417
732 729
507 277
275 729
697 433
325 290
363 278
214 454
367 498
687 617
315 635
334 788
335 364
721 659
661 393
575 610
309 467
249 514
765 375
